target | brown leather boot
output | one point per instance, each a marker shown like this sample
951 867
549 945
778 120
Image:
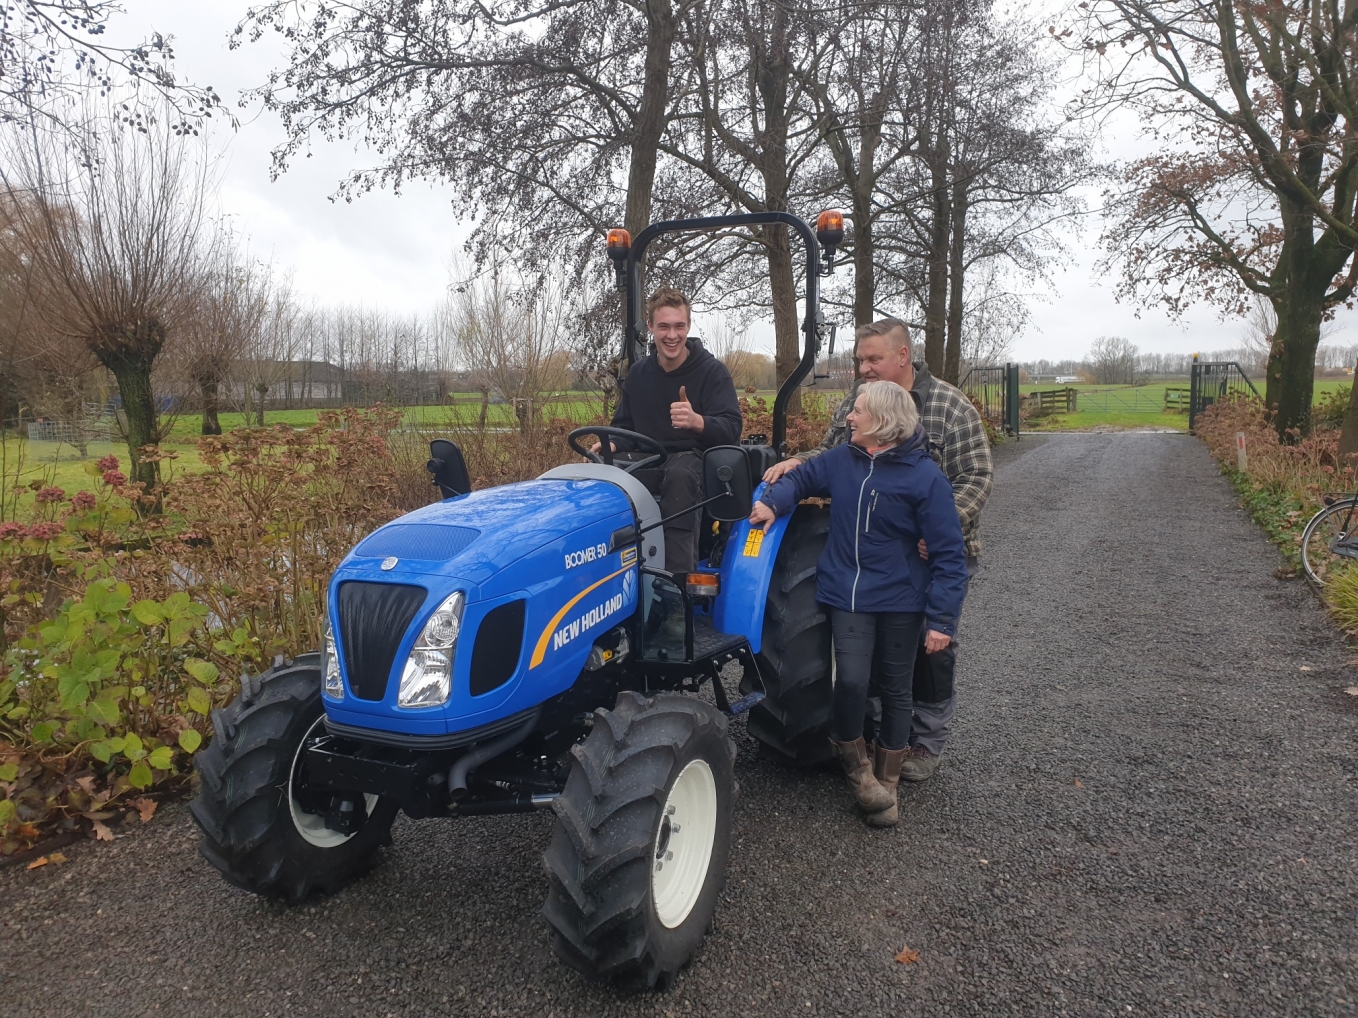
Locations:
886 768
853 757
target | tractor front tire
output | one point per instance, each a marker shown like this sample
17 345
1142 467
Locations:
792 722
262 828
643 830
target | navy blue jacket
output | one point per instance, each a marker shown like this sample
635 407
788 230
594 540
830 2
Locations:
880 508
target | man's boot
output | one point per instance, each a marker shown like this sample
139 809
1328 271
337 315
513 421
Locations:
919 764
886 768
853 757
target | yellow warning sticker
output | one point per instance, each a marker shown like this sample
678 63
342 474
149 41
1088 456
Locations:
753 542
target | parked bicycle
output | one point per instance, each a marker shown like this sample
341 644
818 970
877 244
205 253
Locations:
1330 540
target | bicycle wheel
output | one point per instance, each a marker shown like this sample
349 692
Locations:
1329 540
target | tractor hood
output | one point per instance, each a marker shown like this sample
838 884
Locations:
544 566
474 537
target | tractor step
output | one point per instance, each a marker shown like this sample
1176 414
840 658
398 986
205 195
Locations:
740 706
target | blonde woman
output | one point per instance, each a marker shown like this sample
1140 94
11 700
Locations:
886 495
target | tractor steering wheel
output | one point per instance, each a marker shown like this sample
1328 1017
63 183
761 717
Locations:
606 452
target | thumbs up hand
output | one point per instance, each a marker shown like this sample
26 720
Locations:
682 415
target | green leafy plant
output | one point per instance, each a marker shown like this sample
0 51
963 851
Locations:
1330 408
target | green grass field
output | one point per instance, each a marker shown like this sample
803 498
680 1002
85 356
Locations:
60 464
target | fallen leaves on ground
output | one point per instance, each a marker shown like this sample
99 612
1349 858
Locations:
1352 690
908 956
1079 783
146 808
101 831
56 859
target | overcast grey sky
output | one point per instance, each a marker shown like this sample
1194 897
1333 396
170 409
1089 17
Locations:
394 252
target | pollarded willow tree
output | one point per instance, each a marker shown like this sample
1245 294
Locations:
1253 188
114 224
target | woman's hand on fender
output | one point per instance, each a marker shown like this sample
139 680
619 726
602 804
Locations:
762 516
935 641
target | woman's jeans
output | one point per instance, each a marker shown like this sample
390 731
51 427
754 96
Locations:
893 636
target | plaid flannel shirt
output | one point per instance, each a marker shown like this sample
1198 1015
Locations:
957 442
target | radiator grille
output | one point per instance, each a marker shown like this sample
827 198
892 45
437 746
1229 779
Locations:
373 620
426 541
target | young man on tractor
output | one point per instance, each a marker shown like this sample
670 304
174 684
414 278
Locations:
683 397
958 444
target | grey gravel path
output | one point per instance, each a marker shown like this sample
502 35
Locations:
1149 808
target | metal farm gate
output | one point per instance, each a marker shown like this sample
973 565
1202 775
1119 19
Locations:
1214 380
995 389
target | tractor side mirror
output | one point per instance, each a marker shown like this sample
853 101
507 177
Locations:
449 468
726 482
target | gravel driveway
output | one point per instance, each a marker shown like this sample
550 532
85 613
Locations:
1147 808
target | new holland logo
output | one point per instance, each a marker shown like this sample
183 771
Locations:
571 630
557 635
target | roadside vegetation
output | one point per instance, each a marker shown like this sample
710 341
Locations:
1283 482
123 627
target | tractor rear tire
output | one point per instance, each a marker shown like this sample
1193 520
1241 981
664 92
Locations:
252 785
643 830
792 722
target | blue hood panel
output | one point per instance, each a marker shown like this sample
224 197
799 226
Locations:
545 541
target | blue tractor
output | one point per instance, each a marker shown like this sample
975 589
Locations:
502 651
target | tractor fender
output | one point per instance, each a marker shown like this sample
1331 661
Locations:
746 567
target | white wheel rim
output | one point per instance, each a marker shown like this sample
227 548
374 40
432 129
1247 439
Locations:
310 825
682 848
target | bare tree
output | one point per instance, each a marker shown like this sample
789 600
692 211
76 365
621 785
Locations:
54 56
227 319
271 348
1113 360
115 224
589 85
512 340
1252 191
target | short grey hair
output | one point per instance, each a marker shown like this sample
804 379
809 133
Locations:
885 327
891 409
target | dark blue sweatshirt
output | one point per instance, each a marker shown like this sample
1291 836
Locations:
880 508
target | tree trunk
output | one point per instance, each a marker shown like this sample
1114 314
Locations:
862 192
1292 362
139 407
1348 437
772 71
262 391
651 121
485 405
211 406
864 275
935 311
952 358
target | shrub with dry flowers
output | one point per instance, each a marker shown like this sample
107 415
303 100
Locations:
1283 482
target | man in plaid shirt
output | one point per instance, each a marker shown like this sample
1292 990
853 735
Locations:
958 443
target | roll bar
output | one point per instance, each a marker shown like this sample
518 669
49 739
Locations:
627 255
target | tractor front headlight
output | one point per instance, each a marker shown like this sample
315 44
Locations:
427 678
334 685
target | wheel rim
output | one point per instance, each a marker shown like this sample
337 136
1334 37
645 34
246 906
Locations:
683 844
1328 542
311 826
